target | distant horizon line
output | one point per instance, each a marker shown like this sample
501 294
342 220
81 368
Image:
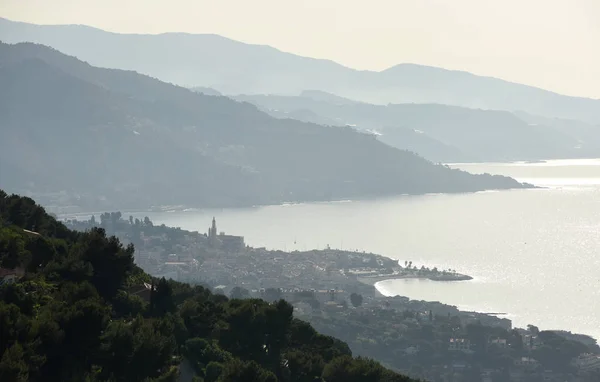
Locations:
490 76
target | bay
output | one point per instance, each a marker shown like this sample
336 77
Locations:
534 254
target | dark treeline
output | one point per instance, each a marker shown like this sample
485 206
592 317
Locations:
76 314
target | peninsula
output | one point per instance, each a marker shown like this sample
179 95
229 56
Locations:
410 272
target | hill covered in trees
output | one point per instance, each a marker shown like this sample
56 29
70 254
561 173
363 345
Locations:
101 138
79 313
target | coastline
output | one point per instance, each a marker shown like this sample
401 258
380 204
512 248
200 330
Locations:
490 317
374 280
74 211
325 269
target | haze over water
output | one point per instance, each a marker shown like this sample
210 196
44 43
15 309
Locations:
534 254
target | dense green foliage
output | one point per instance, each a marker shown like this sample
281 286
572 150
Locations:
419 343
73 317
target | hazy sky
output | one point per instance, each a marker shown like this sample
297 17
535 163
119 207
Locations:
553 44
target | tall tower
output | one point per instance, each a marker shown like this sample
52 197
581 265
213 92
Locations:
212 232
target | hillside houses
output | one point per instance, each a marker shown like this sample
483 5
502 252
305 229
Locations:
8 276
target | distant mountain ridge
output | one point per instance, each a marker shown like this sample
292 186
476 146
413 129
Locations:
206 91
105 138
233 67
442 133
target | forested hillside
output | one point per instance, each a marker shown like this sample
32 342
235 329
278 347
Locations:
80 310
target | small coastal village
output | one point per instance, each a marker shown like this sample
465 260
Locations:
334 291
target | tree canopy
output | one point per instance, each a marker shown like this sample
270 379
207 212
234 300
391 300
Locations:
73 316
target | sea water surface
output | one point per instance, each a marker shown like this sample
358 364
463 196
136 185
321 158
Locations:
534 254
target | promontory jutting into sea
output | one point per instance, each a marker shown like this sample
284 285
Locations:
474 234
337 198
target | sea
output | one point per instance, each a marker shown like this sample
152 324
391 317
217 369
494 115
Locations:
534 254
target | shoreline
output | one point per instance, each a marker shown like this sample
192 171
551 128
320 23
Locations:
63 212
369 281
368 269
374 280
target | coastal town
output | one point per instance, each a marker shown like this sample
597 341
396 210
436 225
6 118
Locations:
334 291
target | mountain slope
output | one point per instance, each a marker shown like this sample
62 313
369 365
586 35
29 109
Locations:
438 132
206 91
115 138
79 309
586 135
233 68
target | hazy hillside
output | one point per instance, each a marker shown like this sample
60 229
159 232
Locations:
116 138
233 67
439 132
587 135
206 91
